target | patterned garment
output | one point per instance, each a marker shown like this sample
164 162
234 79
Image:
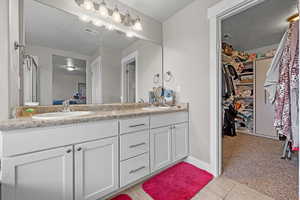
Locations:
285 104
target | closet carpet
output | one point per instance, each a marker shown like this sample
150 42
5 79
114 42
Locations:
255 162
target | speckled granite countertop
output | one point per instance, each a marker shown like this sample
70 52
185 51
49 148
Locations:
28 122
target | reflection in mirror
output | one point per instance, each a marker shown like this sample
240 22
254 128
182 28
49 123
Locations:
69 80
84 62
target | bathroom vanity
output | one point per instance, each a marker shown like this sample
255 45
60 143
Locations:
89 157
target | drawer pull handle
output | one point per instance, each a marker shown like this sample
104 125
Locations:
137 145
136 170
137 125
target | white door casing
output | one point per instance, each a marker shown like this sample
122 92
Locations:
124 61
216 14
96 78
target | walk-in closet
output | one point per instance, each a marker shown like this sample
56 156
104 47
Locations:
260 90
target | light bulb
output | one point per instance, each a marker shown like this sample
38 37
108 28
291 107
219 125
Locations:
137 25
84 18
130 34
71 68
110 27
88 5
127 19
116 15
97 22
103 9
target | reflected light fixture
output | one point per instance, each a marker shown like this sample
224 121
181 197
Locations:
137 25
110 27
103 10
116 15
88 5
97 22
129 34
85 18
70 65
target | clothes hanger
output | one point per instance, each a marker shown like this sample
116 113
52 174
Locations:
293 18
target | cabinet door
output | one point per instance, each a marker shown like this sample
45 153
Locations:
161 146
180 141
263 108
43 175
96 168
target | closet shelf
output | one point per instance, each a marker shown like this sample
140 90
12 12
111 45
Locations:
243 84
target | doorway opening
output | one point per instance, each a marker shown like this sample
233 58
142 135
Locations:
249 147
129 78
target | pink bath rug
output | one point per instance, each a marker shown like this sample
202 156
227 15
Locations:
122 197
180 182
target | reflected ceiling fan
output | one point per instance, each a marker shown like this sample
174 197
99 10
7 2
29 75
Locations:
70 65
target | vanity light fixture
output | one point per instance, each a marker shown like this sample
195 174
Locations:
130 34
116 15
88 5
85 18
103 10
97 22
137 25
110 27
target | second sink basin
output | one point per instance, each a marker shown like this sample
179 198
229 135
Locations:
60 115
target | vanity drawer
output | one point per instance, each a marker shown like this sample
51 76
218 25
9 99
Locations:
134 169
134 124
161 120
133 144
36 139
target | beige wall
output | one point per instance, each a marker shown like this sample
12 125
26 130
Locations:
186 47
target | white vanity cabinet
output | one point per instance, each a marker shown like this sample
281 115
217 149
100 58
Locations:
90 170
180 141
161 147
169 139
43 175
89 161
96 168
134 149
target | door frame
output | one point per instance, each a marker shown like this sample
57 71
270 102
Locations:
216 14
89 75
124 61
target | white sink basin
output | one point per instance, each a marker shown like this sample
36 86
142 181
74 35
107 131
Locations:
154 108
60 115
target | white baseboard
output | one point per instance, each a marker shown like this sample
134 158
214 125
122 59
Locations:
198 163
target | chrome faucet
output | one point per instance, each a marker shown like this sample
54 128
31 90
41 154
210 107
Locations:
66 106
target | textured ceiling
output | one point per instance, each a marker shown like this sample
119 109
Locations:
259 26
53 28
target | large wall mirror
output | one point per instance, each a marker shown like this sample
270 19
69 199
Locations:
68 58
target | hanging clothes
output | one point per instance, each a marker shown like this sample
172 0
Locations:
271 82
229 74
286 99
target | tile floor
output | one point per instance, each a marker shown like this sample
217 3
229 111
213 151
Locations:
221 188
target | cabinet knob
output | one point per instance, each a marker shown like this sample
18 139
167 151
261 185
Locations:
69 151
79 149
